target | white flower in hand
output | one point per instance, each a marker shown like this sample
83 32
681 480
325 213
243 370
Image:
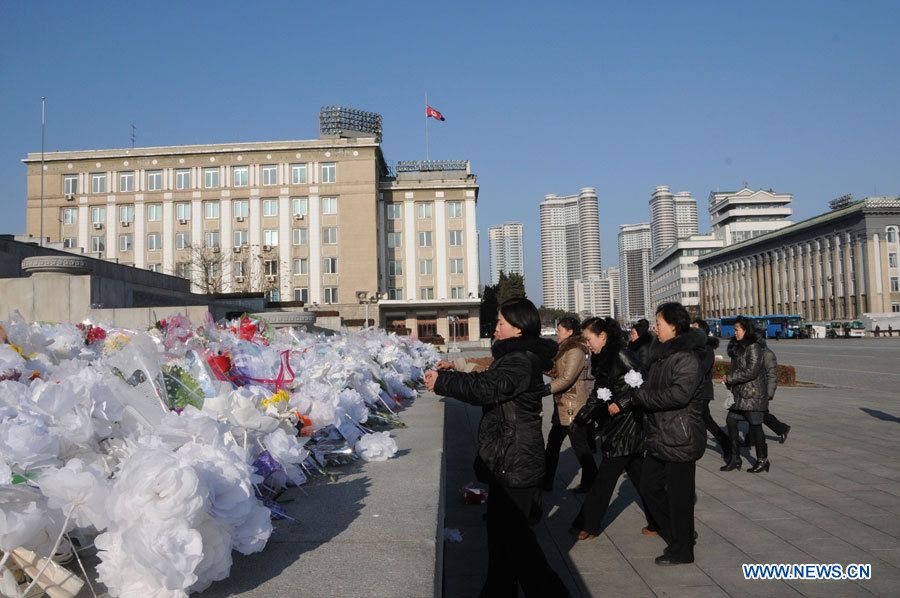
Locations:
634 379
604 394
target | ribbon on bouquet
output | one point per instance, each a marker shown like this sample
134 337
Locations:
286 376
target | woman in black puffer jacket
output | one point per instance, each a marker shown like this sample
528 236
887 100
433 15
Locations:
748 385
510 448
674 434
621 435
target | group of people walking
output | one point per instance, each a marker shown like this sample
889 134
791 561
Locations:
646 398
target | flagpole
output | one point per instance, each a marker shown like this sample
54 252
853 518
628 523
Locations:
426 126
43 99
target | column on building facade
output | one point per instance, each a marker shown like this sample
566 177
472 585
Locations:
770 284
84 219
382 245
815 265
733 286
285 267
837 269
754 286
886 278
140 234
782 281
440 250
409 246
197 240
794 292
168 236
847 270
112 220
859 269
827 278
471 241
226 218
876 285
741 280
254 256
808 283
315 246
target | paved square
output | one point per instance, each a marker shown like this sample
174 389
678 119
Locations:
832 496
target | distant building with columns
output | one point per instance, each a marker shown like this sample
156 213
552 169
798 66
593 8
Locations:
835 266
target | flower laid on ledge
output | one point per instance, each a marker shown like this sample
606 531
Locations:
166 448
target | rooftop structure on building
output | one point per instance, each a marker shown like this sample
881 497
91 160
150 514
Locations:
736 216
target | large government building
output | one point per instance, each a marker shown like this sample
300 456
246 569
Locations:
325 222
838 265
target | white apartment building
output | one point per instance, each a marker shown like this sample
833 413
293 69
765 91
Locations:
675 276
738 216
635 246
506 250
595 297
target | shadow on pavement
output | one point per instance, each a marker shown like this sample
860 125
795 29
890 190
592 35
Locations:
880 415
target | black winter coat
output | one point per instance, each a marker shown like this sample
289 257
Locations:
747 378
620 435
641 348
670 397
510 392
706 366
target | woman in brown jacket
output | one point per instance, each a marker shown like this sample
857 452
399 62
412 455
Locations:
571 383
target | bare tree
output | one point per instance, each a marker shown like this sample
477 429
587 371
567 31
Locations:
209 264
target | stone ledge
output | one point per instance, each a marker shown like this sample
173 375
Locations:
61 264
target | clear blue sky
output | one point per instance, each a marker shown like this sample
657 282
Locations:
803 97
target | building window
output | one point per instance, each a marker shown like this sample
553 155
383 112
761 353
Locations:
239 267
891 234
154 180
270 267
395 240
298 174
301 294
395 294
182 240
425 238
270 207
456 266
126 182
183 211
395 268
895 307
329 236
126 242
211 210
457 293
98 243
183 269
892 260
241 208
98 182
394 211
456 238
329 206
423 210
211 238
241 237
270 237
239 174
183 178
70 243
270 174
426 293
211 177
331 294
455 209
273 295
69 216
299 206
153 242
329 172
426 267
895 284
301 266
70 184
154 212
330 265
154 267
300 236
98 215
126 214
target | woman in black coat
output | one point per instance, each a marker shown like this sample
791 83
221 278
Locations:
640 340
621 435
709 361
674 434
749 386
510 448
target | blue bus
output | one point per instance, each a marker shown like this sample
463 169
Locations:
715 326
772 325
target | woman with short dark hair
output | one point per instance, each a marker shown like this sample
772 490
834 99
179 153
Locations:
749 388
639 340
674 434
510 448
570 384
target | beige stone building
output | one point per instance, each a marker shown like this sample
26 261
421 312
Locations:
836 266
318 221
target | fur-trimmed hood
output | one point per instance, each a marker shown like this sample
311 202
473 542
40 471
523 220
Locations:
641 341
692 340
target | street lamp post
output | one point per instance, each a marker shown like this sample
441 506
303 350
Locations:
454 348
366 298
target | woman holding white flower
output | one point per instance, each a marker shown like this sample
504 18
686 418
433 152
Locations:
616 375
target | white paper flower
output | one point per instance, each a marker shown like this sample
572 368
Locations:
28 442
289 452
225 477
170 551
252 534
634 379
378 446
216 562
21 515
604 394
78 491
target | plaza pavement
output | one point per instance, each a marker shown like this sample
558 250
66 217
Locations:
832 496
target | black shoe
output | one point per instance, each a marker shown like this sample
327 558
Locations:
666 560
760 465
735 463
783 437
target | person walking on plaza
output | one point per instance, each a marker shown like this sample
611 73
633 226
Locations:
570 384
706 366
621 435
674 433
510 456
769 420
639 341
748 384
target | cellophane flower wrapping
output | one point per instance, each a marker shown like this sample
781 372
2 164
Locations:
129 438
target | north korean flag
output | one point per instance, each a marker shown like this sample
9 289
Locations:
429 111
